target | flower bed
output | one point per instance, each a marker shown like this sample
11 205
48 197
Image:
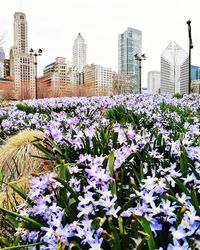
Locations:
126 173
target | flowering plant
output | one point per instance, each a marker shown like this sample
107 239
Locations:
126 177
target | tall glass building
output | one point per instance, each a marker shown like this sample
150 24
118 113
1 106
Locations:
195 72
174 69
129 44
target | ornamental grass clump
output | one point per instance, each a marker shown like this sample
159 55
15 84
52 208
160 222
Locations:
16 159
127 182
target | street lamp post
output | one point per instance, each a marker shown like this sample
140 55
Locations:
139 58
190 47
35 54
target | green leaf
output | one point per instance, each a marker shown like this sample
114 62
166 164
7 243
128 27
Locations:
75 245
11 221
137 176
120 225
183 164
23 246
95 145
71 201
67 172
1 178
141 171
21 193
114 139
181 186
120 195
71 214
159 140
62 170
194 171
194 200
179 215
17 240
113 187
67 186
172 198
4 241
35 223
116 242
128 204
110 166
150 240
111 160
138 155
55 145
130 157
46 151
98 222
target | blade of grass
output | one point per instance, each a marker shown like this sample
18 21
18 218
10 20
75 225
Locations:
37 224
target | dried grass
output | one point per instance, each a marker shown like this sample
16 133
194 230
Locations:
17 164
16 155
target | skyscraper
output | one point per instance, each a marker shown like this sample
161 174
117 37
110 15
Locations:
2 55
153 82
2 58
174 69
56 74
79 53
195 72
129 44
20 32
22 68
100 77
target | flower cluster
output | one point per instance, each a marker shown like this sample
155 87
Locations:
126 172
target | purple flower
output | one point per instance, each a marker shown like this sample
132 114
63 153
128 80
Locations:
178 233
85 210
178 246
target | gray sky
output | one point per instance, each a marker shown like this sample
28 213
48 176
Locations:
53 26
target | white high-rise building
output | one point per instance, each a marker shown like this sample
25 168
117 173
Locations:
129 44
153 82
22 68
79 53
2 55
20 32
2 58
174 69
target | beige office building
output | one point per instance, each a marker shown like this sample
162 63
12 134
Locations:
57 75
22 68
100 77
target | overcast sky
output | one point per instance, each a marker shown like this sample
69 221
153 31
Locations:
53 26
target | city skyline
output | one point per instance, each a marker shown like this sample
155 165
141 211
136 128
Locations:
53 26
